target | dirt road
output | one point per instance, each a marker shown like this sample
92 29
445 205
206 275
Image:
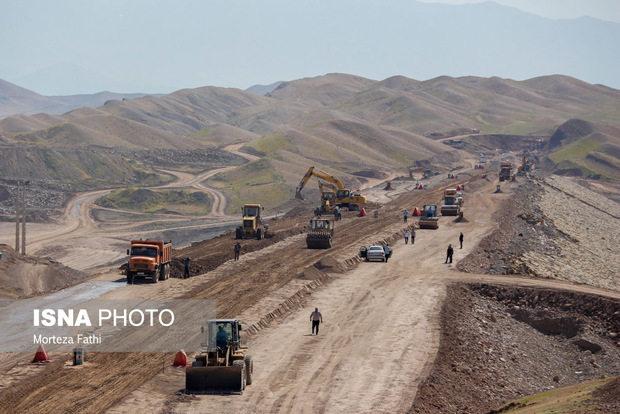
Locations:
377 343
379 337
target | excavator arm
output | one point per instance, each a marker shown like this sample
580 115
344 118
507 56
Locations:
318 174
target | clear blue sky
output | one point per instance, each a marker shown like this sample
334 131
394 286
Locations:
64 47
556 9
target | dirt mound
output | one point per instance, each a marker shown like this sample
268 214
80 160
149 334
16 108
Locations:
608 395
29 276
486 341
210 254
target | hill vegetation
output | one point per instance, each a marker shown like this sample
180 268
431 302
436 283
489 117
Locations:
350 126
158 201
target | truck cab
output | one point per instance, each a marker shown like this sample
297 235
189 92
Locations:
149 258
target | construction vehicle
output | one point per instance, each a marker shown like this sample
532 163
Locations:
344 197
149 258
452 203
414 170
429 218
223 365
328 197
526 166
252 223
505 170
320 234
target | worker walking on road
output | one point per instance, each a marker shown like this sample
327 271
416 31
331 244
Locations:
461 240
449 253
412 236
388 252
316 318
187 261
237 251
407 234
405 214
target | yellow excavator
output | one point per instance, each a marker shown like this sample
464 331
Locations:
415 170
344 196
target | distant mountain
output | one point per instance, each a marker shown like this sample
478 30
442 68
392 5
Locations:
18 100
410 38
71 79
263 89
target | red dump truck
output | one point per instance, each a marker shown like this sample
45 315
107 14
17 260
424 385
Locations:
149 258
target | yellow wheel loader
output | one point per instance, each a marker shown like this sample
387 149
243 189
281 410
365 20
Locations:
320 234
223 366
252 224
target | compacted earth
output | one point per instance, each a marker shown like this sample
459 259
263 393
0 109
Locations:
518 313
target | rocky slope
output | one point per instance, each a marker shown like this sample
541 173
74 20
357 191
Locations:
500 344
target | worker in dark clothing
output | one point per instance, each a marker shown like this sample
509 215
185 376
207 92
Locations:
237 251
450 252
461 240
187 261
316 319
221 338
388 252
413 236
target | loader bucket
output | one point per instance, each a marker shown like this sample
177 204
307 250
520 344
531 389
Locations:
319 242
214 379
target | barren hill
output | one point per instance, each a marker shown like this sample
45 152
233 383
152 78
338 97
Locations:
18 100
342 123
586 149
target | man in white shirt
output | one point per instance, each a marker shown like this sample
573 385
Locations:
316 318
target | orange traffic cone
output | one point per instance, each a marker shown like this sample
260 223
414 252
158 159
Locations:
416 212
458 188
362 213
180 360
41 355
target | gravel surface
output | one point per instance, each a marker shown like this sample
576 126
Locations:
500 344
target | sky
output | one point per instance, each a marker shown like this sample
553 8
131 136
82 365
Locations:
65 47
556 9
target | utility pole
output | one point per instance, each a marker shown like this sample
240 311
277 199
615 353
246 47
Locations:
24 217
17 217
20 215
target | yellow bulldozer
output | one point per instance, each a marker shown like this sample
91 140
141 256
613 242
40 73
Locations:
320 234
252 223
344 197
223 365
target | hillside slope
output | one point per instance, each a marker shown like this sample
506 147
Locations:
350 126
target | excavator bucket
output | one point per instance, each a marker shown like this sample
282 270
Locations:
214 379
298 194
